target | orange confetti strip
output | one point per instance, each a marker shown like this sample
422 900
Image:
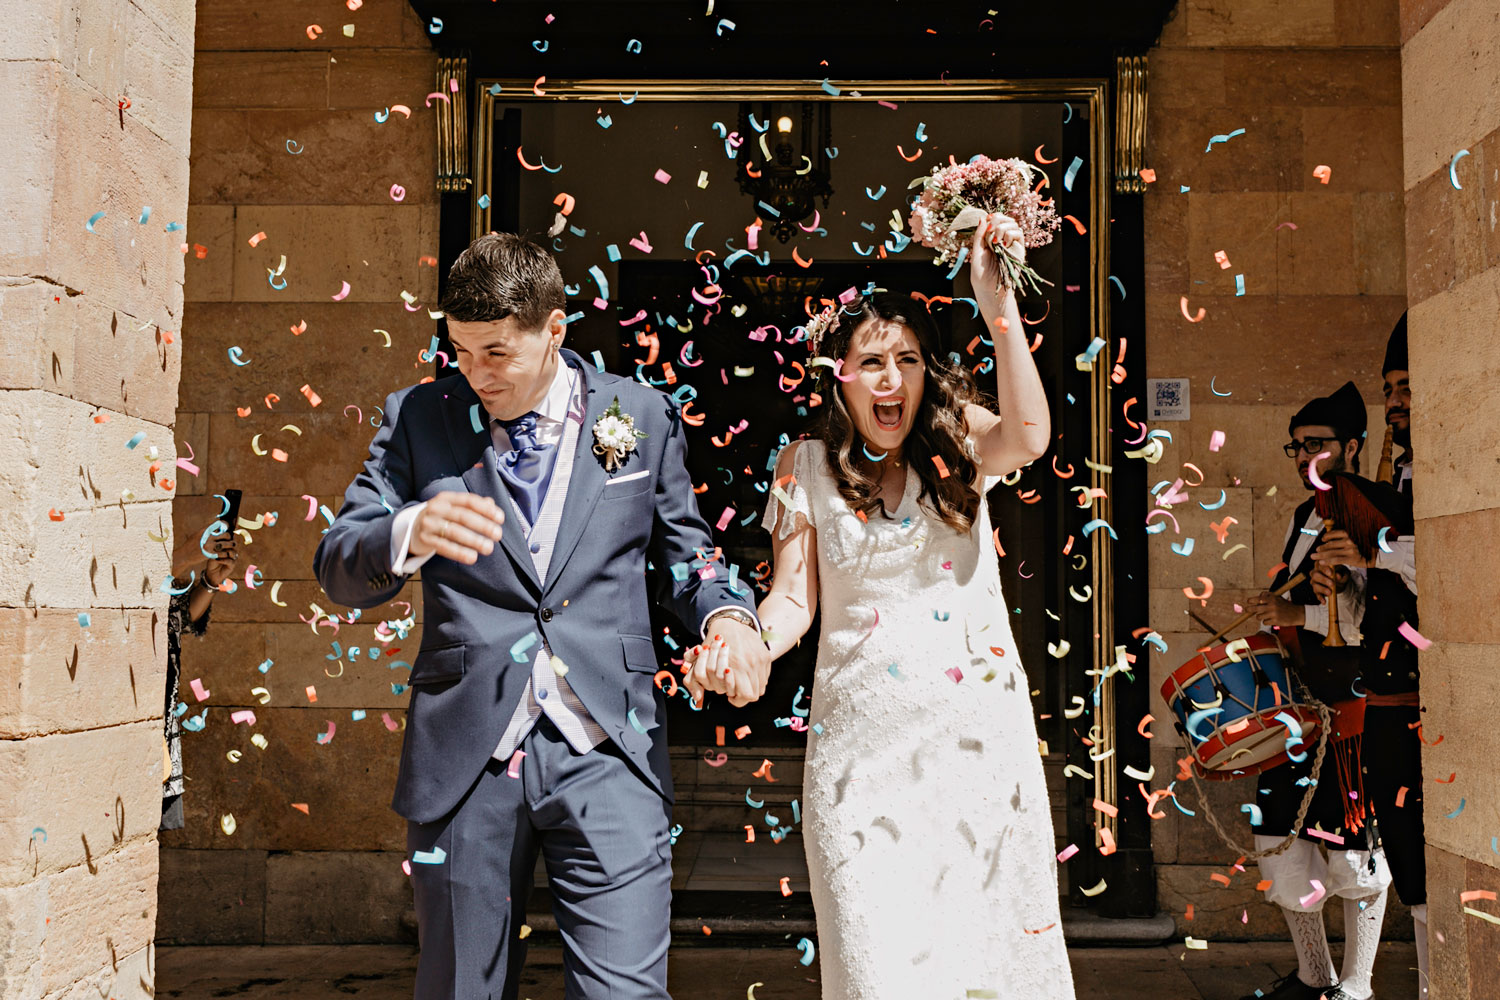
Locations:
749 834
742 732
797 256
1189 914
941 467
1101 806
1220 878
1449 780
1146 721
1401 796
1076 225
1263 885
1469 895
1198 318
786 888
1042 159
908 159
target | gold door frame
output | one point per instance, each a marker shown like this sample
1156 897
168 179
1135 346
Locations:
1092 94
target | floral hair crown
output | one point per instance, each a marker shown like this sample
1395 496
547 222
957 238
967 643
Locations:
820 326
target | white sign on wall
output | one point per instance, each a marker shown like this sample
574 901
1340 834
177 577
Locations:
1167 399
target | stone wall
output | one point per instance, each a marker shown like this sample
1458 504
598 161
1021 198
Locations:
91 269
1317 82
286 143
1450 82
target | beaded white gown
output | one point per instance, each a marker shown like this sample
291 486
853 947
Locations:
926 824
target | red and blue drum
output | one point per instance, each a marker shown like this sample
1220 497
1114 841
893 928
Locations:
1235 705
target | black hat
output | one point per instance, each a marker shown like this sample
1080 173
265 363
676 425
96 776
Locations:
1344 411
1395 349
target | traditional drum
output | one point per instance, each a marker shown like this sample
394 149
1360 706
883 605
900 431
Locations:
1237 709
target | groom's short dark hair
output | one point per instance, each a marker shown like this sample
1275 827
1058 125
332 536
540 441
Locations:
502 275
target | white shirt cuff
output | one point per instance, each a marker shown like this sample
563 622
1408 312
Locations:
703 628
401 563
1401 559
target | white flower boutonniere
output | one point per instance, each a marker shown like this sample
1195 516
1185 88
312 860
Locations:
615 436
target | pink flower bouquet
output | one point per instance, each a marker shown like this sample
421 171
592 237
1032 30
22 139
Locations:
956 199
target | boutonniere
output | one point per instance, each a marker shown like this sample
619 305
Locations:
615 436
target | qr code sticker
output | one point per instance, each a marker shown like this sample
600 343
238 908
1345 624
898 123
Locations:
1168 395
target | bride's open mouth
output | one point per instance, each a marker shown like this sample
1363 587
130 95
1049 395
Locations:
888 413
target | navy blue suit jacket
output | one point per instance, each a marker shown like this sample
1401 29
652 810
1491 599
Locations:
592 609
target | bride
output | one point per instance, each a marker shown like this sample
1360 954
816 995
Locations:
928 829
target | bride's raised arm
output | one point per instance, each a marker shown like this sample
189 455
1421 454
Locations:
1023 429
787 612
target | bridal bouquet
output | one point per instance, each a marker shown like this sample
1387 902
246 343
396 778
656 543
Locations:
958 198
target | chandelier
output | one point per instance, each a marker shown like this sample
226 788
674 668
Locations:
784 161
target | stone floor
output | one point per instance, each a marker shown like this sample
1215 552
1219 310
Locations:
385 972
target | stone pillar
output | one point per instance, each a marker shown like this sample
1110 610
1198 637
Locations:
292 141
91 264
1312 83
1450 83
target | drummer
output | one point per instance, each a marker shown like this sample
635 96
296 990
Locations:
1392 746
1346 866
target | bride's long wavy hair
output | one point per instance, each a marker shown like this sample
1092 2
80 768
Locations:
940 429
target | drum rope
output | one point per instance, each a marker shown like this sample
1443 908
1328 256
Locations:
1325 718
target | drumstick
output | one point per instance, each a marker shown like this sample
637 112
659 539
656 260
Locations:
1242 619
1195 617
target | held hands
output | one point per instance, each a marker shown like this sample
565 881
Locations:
1276 612
733 662
459 526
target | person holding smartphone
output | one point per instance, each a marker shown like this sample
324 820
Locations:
198 578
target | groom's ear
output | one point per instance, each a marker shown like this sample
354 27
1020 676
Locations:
557 327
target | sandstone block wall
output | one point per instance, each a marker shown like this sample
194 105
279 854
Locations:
1316 82
91 269
286 144
1450 86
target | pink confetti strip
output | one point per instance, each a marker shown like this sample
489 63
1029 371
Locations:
199 691
514 768
1413 636
1314 896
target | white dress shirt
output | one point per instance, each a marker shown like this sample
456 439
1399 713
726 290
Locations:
1351 598
560 417
1403 555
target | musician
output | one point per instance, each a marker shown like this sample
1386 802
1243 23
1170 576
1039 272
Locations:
1392 746
1352 870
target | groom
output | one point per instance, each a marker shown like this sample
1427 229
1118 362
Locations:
534 724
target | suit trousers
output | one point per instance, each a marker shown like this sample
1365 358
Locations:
604 836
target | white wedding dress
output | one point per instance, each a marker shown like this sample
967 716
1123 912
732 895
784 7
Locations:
927 825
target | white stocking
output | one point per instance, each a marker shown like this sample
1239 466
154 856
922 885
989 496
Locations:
1361 943
1419 922
1314 962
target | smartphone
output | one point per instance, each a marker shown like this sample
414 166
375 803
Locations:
231 517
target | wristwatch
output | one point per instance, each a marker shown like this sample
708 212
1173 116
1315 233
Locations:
738 614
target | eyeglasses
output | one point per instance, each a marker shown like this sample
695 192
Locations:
1312 446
